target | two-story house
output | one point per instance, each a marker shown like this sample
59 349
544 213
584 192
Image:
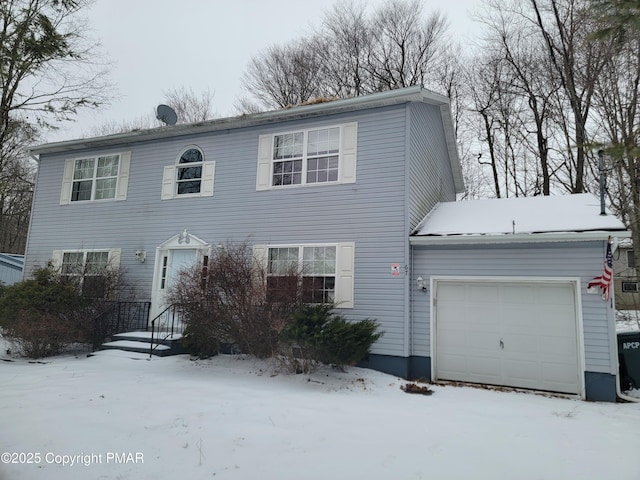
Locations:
340 184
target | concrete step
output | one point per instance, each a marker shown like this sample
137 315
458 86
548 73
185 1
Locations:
141 342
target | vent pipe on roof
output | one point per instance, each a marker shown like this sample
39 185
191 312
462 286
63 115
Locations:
601 170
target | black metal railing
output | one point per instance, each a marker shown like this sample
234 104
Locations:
164 326
119 317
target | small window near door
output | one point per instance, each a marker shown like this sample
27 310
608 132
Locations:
630 286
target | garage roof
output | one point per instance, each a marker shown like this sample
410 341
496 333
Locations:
522 219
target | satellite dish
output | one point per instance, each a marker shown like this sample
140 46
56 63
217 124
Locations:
166 115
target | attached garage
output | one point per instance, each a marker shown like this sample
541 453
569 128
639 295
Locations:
499 295
512 332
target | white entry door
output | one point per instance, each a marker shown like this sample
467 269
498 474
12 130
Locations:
169 264
514 333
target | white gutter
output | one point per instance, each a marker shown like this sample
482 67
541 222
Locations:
516 238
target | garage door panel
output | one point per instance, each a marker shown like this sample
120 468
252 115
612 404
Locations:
535 322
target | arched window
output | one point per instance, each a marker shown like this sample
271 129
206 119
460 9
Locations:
189 171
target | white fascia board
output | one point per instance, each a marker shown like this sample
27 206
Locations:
517 238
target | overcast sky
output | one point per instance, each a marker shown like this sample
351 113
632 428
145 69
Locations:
162 45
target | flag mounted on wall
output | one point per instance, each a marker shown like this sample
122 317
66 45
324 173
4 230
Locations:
604 281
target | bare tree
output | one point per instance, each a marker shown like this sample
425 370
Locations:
404 47
48 71
189 107
285 76
351 54
616 102
564 26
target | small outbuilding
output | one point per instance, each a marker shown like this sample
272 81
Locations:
500 294
11 267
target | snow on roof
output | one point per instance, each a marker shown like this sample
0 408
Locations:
519 215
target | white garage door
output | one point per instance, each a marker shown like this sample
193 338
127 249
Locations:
517 334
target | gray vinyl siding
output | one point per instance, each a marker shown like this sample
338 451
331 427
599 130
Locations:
430 176
370 212
575 259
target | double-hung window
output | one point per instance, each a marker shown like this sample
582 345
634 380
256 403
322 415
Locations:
90 270
325 272
314 156
95 178
191 176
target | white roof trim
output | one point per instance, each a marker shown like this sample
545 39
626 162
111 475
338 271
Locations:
517 238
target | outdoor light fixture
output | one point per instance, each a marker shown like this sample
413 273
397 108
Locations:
422 285
141 255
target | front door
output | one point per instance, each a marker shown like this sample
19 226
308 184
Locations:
172 257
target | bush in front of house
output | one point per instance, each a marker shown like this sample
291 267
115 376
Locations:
44 314
224 300
317 335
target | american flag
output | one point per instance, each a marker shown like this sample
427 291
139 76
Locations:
604 281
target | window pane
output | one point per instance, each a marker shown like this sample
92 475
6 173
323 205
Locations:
108 166
288 145
81 190
325 141
319 260
190 156
192 186
96 262
282 260
323 169
83 169
72 263
318 289
288 172
631 259
188 173
105 188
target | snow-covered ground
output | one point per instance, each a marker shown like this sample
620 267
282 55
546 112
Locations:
121 416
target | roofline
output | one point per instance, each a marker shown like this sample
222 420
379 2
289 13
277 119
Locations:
517 238
390 97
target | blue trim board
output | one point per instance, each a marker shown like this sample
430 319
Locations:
600 387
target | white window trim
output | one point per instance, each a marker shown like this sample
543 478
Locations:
629 283
113 262
347 157
122 182
170 183
345 256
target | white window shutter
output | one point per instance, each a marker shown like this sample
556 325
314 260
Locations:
345 274
56 259
67 181
114 259
260 256
208 171
263 177
348 152
168 177
123 176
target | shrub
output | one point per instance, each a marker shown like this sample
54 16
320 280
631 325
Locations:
315 335
228 303
44 314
